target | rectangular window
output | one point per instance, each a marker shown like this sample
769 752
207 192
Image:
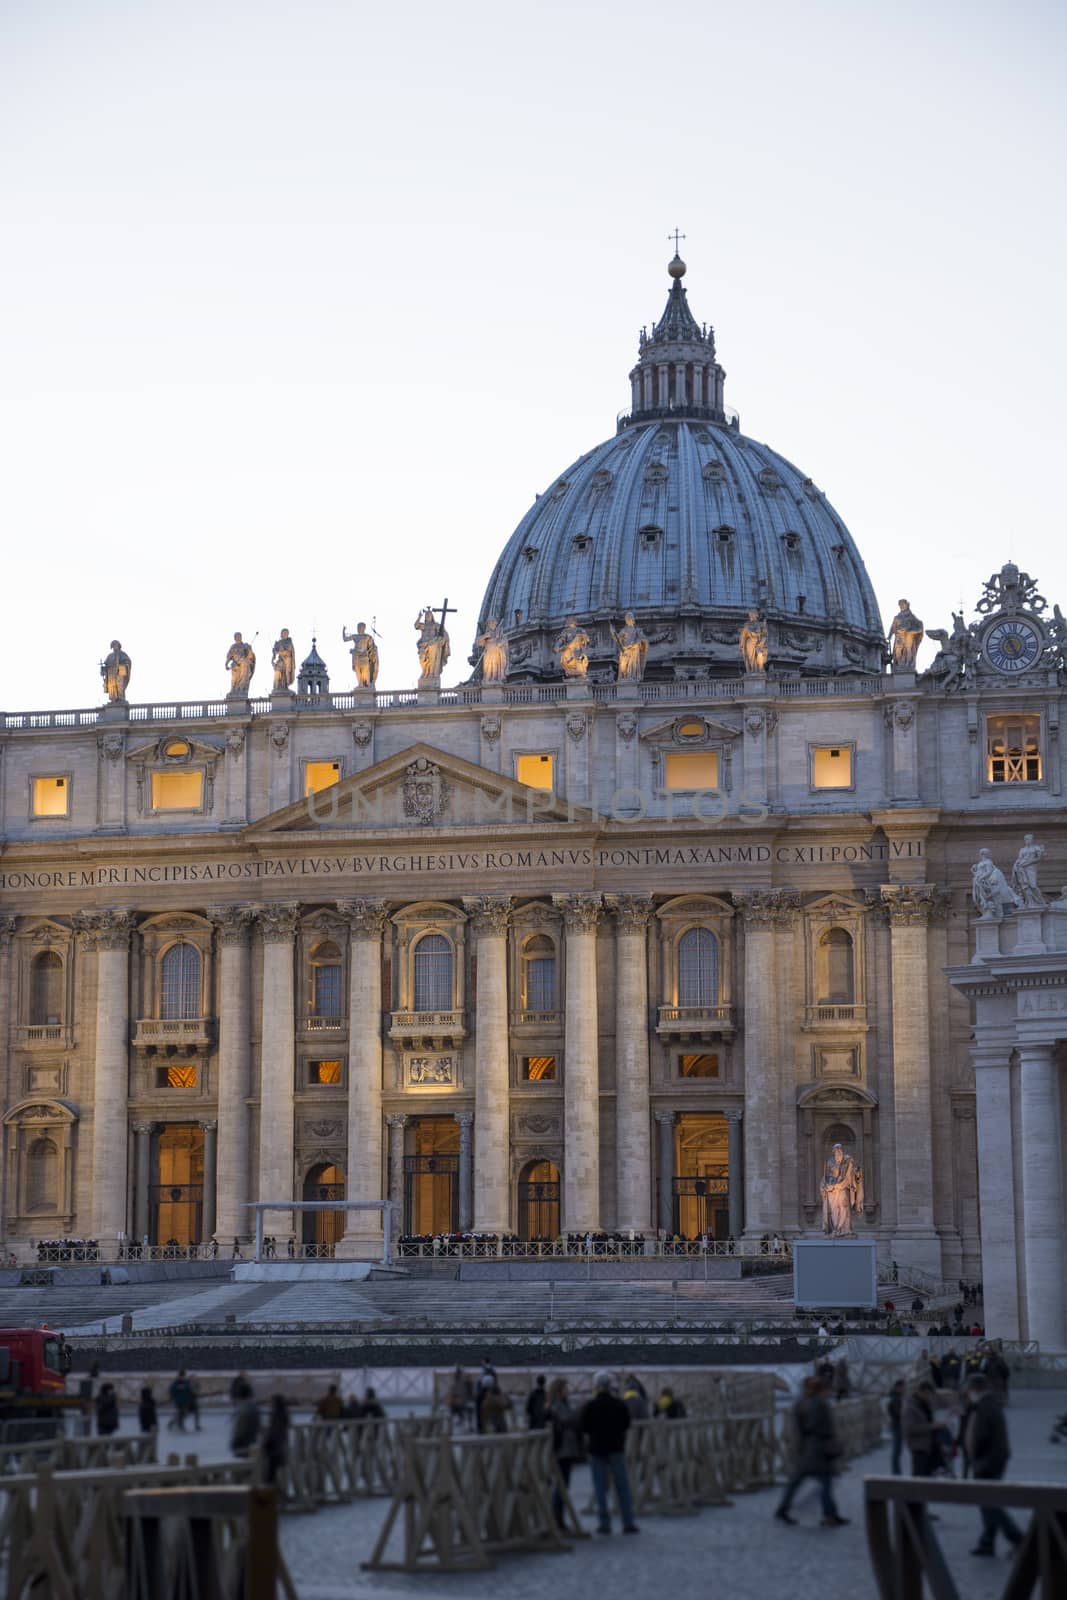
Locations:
324 1072
538 1069
1013 747
831 766
51 797
692 769
535 771
176 1077
177 791
320 775
698 1066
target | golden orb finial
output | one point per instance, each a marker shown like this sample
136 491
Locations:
676 268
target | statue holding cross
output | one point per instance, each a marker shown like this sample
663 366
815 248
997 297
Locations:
433 644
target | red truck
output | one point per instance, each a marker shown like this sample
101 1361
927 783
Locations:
34 1363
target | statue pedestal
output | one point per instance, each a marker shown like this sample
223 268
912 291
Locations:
429 697
903 678
280 700
627 689
755 683
114 711
577 688
364 694
1029 940
492 694
237 705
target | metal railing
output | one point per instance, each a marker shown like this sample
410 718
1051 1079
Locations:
578 1248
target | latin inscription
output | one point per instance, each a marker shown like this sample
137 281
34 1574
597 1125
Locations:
1038 1004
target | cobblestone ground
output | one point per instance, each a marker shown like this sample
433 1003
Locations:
737 1551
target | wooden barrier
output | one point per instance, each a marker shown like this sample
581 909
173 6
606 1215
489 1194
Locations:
79 1455
219 1544
708 1391
675 1467
331 1462
466 1501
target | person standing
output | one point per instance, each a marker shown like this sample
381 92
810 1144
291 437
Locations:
536 1403
562 1418
147 1411
276 1439
895 1409
604 1421
107 1411
989 1452
493 1411
181 1396
331 1405
919 1428
817 1453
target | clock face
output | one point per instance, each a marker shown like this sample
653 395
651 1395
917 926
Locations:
1012 645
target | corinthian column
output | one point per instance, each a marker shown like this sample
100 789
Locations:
233 1219
363 1229
489 918
910 909
111 937
466 1168
633 1151
397 1121
7 928
278 927
762 910
1041 1120
581 1067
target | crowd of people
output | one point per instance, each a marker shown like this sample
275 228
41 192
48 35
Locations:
577 1244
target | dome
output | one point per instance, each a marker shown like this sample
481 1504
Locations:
688 523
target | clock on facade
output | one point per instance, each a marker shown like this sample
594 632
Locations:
1012 644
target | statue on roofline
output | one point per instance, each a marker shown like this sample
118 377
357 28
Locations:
115 670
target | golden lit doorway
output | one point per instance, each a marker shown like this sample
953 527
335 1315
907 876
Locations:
176 1198
539 1200
702 1176
431 1177
322 1229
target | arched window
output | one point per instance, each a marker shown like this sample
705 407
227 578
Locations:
539 974
42 1176
698 968
836 980
433 973
179 987
46 989
326 980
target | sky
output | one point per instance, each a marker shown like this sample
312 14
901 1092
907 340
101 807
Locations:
302 303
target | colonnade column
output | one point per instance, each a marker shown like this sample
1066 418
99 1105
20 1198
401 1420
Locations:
397 1121
665 1123
277 1065
910 908
142 1158
110 934
633 1152
735 1169
762 910
581 1068
211 1158
364 1175
1041 1128
489 916
233 1219
466 1210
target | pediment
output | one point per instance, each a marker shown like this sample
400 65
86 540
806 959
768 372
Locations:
672 731
835 1097
420 788
165 751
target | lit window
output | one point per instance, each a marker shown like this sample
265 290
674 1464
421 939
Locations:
534 771
831 766
180 1077
698 968
699 1066
177 749
1014 749
692 769
324 1072
326 981
320 775
539 974
179 987
51 797
177 791
538 1069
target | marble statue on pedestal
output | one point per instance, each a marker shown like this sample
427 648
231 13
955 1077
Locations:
283 660
494 652
573 648
633 650
433 646
1024 873
905 637
241 661
752 645
842 1194
991 892
364 655
115 670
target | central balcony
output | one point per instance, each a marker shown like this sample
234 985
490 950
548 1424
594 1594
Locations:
694 1022
162 1033
827 1015
427 1029
537 1021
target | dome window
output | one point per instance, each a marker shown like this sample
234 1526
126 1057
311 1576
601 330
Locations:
602 479
724 534
561 489
838 550
769 480
582 542
657 473
531 552
714 472
791 541
650 536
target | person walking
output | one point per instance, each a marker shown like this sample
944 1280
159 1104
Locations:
245 1430
147 1411
181 1396
604 1421
635 1398
895 1409
536 1403
331 1405
919 1429
240 1389
276 1439
371 1407
486 1379
107 1411
460 1400
989 1452
493 1411
668 1406
562 1418
194 1402
817 1450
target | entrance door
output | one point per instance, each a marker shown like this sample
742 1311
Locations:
431 1178
175 1200
322 1229
539 1201
702 1185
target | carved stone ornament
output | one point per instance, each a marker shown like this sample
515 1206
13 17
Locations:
900 714
538 1125
110 746
755 719
577 722
325 1129
235 741
631 911
912 905
361 733
488 913
232 923
490 729
365 918
278 923
581 912
425 791
7 928
767 908
27 1113
104 930
626 726
279 736
431 1070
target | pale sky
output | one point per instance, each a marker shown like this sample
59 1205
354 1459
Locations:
302 303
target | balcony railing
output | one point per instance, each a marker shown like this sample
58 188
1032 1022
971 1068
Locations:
427 1025
44 1033
695 1019
162 1031
537 1019
325 1024
830 1015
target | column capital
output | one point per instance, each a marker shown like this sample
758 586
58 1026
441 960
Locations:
488 913
232 924
767 908
143 1127
464 1118
278 922
396 1119
581 912
912 905
104 930
366 918
7 928
631 911
733 1114
209 1126
665 1117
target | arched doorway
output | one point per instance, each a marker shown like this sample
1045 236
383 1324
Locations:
431 1177
702 1176
322 1229
539 1200
176 1198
